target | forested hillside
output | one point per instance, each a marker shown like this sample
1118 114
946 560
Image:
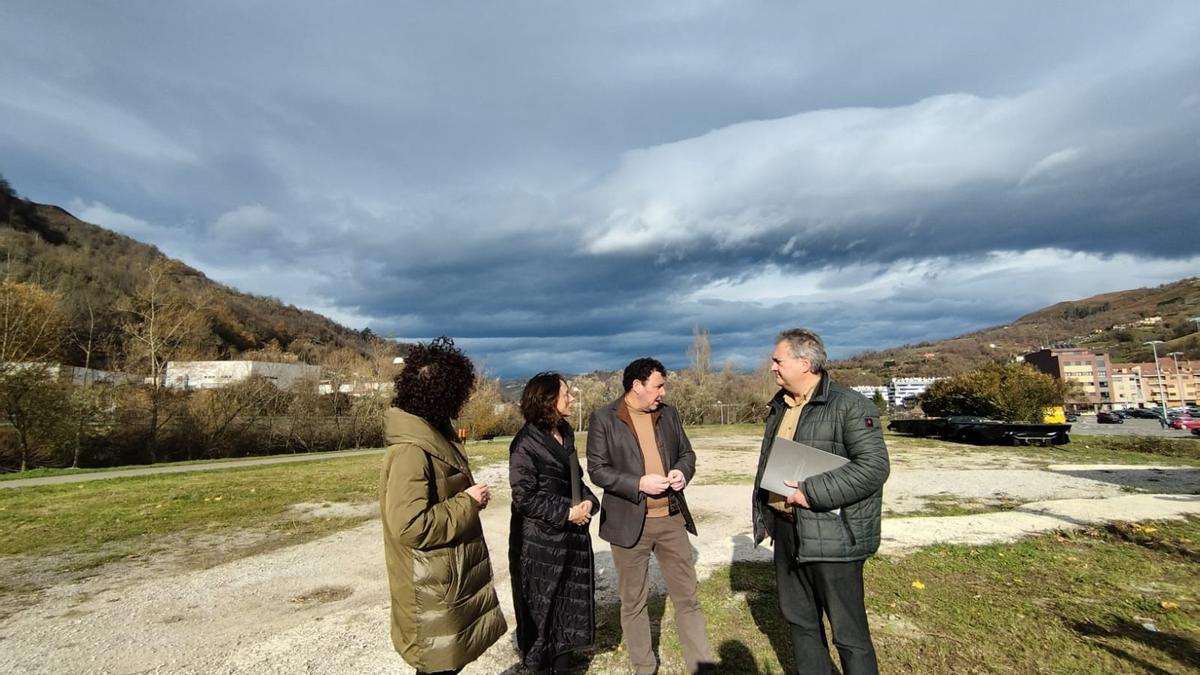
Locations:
99 276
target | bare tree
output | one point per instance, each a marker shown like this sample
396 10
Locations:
700 355
32 328
486 414
163 324
220 416
87 400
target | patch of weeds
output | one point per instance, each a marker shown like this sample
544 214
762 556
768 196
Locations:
937 506
1152 445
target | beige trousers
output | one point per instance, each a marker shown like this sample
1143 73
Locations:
667 539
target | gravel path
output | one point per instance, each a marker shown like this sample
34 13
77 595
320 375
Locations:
322 606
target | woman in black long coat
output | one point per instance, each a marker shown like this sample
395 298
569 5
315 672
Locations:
549 548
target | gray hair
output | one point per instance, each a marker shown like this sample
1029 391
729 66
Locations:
805 344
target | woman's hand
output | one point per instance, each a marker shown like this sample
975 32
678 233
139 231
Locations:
480 493
581 513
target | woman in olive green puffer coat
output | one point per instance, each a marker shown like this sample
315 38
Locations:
444 608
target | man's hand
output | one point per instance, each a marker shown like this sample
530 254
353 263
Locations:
480 493
676 479
581 513
797 498
653 484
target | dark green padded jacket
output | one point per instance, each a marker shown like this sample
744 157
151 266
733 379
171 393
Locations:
846 503
444 608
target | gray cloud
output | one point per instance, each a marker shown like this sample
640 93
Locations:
572 186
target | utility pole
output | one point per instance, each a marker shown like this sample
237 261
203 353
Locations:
1158 371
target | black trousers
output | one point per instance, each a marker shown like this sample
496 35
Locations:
808 590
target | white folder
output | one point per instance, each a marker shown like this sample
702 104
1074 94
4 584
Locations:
792 461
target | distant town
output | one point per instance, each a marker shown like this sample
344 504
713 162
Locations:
1100 383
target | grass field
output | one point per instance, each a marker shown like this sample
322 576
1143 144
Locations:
1119 599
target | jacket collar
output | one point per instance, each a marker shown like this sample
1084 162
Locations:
624 416
820 393
403 427
547 439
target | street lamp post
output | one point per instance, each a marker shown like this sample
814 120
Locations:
1158 372
1178 378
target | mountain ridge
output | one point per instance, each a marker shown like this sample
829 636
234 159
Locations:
96 270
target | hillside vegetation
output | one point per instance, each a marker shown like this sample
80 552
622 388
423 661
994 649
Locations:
97 274
1101 323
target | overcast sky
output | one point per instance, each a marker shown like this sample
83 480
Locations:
567 185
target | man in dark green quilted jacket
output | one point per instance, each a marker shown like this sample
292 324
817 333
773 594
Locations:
824 531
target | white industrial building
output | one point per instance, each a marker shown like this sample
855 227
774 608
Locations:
869 390
901 388
356 388
215 374
75 374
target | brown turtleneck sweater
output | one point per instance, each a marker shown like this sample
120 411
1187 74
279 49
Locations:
643 428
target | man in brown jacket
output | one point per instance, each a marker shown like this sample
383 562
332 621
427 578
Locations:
638 453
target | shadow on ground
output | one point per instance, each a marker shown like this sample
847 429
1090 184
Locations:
1175 481
1181 648
756 581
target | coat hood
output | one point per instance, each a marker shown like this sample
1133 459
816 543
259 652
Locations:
403 428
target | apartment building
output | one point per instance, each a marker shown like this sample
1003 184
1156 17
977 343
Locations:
1179 382
870 390
1127 387
901 388
1092 372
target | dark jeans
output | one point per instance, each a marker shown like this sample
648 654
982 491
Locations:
808 590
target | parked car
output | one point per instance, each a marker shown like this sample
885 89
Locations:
1106 417
1185 423
1143 413
1196 431
1072 417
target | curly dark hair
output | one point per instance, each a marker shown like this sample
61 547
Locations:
539 400
435 383
641 370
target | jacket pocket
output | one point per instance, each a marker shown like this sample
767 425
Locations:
849 530
823 534
435 578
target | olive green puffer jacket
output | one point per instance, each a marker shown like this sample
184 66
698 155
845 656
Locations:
847 502
444 609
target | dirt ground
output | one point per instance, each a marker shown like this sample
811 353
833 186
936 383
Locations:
322 606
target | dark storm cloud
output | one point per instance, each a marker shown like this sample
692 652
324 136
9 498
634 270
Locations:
570 186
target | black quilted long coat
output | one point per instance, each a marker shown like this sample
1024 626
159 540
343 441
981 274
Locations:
550 558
